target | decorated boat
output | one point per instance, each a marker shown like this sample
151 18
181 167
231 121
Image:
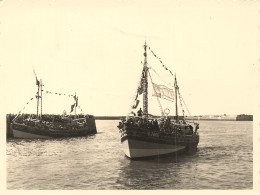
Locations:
37 126
145 135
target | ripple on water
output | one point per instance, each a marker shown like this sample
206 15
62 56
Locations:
224 160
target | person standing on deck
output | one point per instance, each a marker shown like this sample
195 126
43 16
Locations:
140 112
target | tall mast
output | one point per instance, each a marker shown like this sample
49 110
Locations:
145 84
75 103
41 98
176 103
38 97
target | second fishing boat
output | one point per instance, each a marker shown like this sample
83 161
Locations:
37 126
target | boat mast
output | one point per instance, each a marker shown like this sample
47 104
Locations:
145 84
176 103
41 98
75 103
38 97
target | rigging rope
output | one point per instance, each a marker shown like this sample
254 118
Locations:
23 108
180 96
186 106
156 96
48 92
53 93
80 109
161 77
160 61
134 97
183 112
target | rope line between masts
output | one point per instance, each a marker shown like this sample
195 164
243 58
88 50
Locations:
166 68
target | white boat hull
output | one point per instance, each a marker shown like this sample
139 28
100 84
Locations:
25 135
137 148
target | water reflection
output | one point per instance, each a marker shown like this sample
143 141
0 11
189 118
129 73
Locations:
151 173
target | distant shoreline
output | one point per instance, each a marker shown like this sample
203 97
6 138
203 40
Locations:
242 117
188 118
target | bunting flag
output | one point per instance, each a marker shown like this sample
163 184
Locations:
37 82
72 107
25 106
164 92
76 100
136 104
49 92
140 87
160 61
37 95
136 96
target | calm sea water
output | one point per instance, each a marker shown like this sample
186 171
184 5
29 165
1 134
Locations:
224 160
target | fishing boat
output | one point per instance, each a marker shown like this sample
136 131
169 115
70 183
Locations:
148 135
38 126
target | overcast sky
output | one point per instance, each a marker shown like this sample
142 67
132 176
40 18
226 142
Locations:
95 49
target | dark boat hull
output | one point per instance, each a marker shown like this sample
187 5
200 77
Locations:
28 132
138 149
27 135
138 144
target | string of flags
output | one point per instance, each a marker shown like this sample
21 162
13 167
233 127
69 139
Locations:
49 92
161 78
72 106
136 104
76 104
25 106
183 112
160 61
139 90
185 104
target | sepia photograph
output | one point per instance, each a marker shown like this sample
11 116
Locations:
130 95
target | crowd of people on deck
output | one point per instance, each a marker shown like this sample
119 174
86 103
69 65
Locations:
162 125
47 121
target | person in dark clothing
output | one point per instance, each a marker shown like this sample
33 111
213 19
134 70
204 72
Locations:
140 112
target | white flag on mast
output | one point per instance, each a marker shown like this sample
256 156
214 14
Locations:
164 92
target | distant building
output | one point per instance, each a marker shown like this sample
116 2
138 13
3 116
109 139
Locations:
244 117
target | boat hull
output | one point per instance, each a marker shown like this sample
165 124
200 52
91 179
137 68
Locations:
140 142
28 132
26 135
137 148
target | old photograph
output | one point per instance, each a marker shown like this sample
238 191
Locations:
130 95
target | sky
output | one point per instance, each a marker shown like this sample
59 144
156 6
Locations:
95 48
